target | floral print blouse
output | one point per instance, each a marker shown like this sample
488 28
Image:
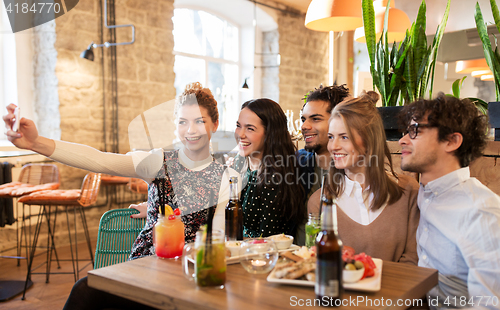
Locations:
193 192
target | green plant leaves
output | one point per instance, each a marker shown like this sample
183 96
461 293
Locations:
405 72
492 57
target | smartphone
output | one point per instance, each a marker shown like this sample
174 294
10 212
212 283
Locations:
17 119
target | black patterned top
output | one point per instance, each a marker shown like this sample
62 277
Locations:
261 213
190 191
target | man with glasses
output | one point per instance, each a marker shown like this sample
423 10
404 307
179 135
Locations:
314 159
459 229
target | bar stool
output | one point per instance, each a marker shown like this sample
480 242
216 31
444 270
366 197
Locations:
138 186
32 178
76 199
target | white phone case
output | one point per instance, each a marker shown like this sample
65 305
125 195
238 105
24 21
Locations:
15 126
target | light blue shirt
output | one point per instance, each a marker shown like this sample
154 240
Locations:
459 235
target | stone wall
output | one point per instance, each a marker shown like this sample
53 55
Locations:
304 60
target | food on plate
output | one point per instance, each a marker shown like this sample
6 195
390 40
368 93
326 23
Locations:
358 261
347 253
282 241
295 270
232 248
280 237
305 252
368 264
356 267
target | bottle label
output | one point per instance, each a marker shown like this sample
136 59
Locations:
327 280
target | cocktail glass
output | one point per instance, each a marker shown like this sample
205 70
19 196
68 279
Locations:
209 260
169 237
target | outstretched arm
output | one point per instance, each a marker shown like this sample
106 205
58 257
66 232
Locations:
142 165
27 137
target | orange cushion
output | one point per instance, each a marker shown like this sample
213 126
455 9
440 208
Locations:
52 197
11 184
111 179
24 190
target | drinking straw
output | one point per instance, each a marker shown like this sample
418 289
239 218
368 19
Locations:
210 219
323 181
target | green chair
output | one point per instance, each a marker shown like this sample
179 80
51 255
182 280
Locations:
117 233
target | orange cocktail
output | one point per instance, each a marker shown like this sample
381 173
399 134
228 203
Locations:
169 236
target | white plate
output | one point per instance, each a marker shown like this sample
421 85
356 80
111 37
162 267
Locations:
236 259
371 284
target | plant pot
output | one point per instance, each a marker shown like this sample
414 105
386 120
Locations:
390 119
494 116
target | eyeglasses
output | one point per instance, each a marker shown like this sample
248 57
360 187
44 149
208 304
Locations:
412 130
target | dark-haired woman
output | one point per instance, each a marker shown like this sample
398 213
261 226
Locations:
272 198
377 209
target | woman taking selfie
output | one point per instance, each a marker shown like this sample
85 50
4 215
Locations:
188 178
376 209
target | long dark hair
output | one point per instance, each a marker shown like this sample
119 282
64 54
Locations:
279 165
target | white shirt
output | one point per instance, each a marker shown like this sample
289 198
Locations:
459 235
356 203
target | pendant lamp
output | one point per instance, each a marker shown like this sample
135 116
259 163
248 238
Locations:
334 15
397 23
468 66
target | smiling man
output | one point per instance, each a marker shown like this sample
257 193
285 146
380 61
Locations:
459 229
314 159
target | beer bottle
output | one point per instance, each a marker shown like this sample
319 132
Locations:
234 213
328 286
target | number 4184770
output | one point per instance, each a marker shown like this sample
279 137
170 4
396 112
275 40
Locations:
36 8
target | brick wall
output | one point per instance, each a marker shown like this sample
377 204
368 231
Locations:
145 71
304 60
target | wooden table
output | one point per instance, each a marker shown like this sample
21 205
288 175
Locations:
161 283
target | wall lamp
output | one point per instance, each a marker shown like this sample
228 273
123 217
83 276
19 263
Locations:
89 54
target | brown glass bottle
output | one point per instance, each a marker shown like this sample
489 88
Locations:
234 213
328 287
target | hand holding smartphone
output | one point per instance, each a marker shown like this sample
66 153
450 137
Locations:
17 119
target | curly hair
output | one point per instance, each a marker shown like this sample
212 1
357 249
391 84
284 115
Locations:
278 148
204 98
332 94
449 115
361 115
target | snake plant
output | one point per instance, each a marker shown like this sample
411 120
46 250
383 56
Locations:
405 72
492 57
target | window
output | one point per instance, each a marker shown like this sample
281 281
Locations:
206 50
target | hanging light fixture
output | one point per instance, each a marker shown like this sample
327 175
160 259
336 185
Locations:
468 66
479 73
397 23
487 77
334 15
89 54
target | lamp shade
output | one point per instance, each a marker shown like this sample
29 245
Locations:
487 77
334 15
480 73
468 66
397 24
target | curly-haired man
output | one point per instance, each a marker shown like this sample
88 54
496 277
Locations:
459 229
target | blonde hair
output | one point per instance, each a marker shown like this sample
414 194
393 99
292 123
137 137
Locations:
361 115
